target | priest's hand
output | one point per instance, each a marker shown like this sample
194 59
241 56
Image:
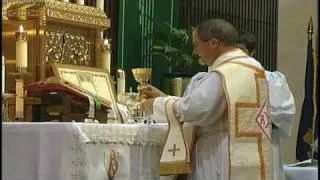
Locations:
147 104
152 92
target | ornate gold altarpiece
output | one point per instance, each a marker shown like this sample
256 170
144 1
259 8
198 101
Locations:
57 32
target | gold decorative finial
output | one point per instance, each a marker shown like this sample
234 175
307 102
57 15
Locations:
310 28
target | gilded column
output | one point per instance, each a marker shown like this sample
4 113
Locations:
98 47
42 61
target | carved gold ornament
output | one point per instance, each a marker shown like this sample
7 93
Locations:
53 9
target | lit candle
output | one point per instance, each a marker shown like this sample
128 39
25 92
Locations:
106 55
100 4
81 2
3 75
21 50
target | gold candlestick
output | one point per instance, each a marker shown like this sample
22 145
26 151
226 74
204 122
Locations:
21 50
20 93
19 99
3 80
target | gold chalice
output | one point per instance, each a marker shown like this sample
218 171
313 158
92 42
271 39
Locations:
142 76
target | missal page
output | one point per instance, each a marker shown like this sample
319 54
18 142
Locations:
69 76
102 87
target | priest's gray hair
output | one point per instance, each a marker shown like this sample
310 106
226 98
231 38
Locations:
220 29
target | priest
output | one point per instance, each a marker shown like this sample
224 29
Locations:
228 105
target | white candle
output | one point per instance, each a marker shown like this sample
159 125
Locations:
3 75
81 2
21 49
105 61
106 56
100 4
121 82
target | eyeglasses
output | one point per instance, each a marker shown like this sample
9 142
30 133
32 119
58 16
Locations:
196 44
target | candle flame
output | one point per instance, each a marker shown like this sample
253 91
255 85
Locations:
21 29
105 42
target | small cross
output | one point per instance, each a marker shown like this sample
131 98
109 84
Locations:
174 150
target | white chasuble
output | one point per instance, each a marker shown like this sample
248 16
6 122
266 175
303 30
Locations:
250 148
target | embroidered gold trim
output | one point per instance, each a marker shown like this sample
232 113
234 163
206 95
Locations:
178 167
258 75
113 164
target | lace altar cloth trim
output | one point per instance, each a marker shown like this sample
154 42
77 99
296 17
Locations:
130 134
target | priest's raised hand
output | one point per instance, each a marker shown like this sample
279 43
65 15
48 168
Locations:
152 92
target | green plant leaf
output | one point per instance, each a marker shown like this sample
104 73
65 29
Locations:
170 49
174 45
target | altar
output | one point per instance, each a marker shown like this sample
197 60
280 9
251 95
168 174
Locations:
66 151
65 65
306 170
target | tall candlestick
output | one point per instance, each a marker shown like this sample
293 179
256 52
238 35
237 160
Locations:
21 50
81 2
3 75
100 4
106 55
19 99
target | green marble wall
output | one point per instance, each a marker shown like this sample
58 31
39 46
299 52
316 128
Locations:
136 22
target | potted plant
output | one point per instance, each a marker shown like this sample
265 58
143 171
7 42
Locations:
175 47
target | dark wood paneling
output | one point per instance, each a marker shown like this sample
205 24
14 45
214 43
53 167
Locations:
258 17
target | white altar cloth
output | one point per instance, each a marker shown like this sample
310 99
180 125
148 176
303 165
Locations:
81 151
